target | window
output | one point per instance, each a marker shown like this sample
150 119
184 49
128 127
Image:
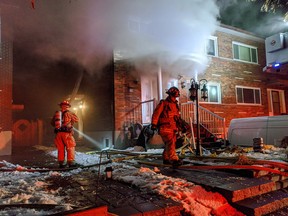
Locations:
247 95
134 25
137 25
211 48
214 93
245 53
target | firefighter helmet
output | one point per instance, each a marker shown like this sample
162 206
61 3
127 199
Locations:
65 102
173 91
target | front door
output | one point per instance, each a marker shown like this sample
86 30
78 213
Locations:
276 102
148 94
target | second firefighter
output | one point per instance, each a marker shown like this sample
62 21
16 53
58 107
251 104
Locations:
164 118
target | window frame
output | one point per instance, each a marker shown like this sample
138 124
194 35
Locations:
218 86
215 40
254 92
250 52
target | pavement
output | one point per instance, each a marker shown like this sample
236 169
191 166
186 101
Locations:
86 190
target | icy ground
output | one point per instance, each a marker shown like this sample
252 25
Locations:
18 187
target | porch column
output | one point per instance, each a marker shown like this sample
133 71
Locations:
159 83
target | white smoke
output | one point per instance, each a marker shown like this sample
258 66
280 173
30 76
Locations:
88 30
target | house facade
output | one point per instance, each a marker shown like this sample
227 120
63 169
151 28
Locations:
238 83
6 72
238 86
235 74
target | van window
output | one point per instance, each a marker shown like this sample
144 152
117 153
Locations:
247 95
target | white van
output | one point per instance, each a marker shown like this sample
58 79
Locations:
272 129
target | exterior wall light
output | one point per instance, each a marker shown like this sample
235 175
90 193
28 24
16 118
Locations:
108 171
194 97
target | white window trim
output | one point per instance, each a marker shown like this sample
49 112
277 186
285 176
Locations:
215 39
248 46
219 93
282 99
249 104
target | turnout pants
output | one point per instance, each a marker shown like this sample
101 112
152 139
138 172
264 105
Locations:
169 138
65 143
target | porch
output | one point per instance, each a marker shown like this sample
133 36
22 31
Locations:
212 126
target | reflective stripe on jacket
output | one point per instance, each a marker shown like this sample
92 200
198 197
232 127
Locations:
164 114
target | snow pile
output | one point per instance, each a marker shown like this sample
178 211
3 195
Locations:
268 153
4 164
24 188
82 158
195 199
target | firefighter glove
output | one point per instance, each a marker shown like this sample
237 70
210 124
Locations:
153 127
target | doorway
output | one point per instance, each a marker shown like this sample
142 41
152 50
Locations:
276 102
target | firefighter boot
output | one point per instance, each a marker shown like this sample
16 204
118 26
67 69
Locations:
177 163
72 164
62 164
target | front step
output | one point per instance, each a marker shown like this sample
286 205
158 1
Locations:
257 196
246 188
263 204
282 184
280 181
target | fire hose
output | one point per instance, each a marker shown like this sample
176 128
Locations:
248 167
212 167
108 154
256 164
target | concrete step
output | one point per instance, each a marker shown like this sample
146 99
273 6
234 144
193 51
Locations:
275 177
281 182
263 204
247 188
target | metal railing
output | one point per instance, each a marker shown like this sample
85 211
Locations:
141 113
215 124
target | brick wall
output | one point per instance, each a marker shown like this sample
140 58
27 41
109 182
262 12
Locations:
6 87
127 94
223 70
229 73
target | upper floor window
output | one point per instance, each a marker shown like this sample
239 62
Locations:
134 25
245 53
212 46
214 93
248 95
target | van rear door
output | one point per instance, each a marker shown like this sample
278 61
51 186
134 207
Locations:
242 131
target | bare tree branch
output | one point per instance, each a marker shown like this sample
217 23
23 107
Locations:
274 6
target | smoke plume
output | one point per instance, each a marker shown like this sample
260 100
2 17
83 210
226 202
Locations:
87 30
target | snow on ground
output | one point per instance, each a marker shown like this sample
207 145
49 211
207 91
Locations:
31 187
27 188
194 198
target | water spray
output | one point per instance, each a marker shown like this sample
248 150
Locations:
94 142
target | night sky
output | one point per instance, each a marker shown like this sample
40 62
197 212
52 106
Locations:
58 40
248 16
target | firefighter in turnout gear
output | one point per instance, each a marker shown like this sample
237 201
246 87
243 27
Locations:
63 121
164 119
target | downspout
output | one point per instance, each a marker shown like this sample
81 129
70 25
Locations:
159 83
